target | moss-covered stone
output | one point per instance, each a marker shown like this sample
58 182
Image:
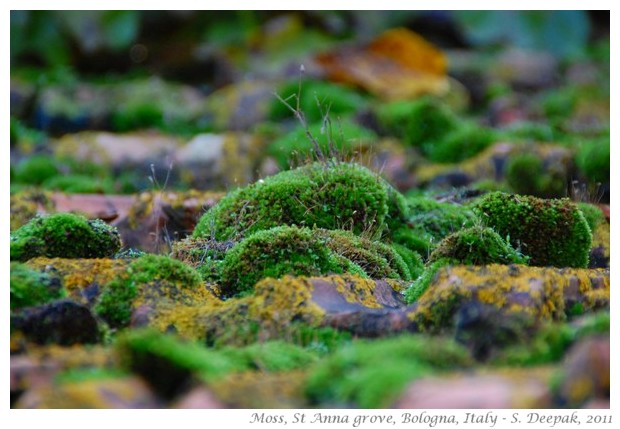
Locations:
592 214
421 284
30 287
150 281
274 253
203 254
549 232
79 184
331 196
593 159
64 235
476 246
371 374
467 140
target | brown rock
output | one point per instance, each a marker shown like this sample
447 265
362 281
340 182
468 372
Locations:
198 398
476 392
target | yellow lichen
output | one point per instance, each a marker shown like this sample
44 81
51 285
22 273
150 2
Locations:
356 289
27 204
533 291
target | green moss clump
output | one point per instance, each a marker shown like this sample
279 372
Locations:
36 170
417 122
274 253
593 215
30 287
351 376
549 232
552 340
378 260
272 356
148 276
330 196
345 137
412 259
79 184
525 174
467 140
336 99
593 159
476 246
430 222
64 235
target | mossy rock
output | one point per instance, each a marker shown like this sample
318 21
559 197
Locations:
476 246
339 139
466 141
593 159
532 294
549 232
371 374
274 253
150 281
36 169
27 203
30 287
331 196
64 235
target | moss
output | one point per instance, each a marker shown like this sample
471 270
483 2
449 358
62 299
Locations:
412 259
430 221
169 363
36 169
330 196
79 184
417 122
552 341
64 235
352 377
271 356
525 174
421 284
317 98
593 160
27 204
476 246
467 140
593 215
78 375
377 260
204 254
274 253
149 280
30 287
550 232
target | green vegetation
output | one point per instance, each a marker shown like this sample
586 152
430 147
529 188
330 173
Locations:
274 253
476 246
549 232
336 139
593 159
352 376
317 99
64 235
30 287
525 174
145 276
36 169
592 214
330 196
421 284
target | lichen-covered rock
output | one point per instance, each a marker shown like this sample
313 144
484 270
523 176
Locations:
149 282
64 235
549 232
61 322
111 392
324 195
536 294
372 374
476 246
27 204
280 308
